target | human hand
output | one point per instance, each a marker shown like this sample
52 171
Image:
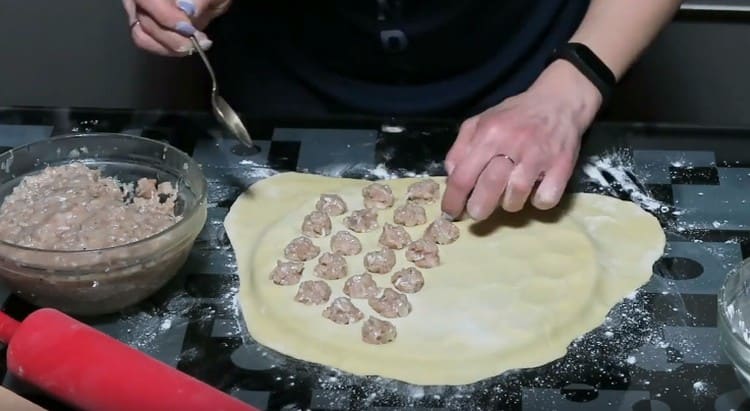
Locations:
523 149
164 26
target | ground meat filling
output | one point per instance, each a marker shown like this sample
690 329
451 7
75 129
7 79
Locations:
380 261
342 311
287 272
331 204
390 304
73 207
301 249
313 292
316 224
409 280
361 286
376 331
377 195
423 253
331 266
410 215
423 192
345 243
441 231
362 221
394 237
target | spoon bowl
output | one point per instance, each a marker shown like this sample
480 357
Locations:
224 113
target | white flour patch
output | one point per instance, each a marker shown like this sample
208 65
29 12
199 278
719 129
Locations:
144 327
378 172
614 166
251 169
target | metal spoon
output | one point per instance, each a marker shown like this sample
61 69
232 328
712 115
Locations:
223 113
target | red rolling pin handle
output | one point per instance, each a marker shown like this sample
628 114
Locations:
90 370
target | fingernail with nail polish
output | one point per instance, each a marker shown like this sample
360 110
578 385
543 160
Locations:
205 44
187 6
185 49
203 40
185 28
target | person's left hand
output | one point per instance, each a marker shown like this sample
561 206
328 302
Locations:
523 149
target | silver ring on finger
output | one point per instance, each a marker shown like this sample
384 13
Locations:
134 23
507 157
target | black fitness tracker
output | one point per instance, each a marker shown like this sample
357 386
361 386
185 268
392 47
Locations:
590 65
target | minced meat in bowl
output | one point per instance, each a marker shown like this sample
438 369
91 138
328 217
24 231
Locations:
93 223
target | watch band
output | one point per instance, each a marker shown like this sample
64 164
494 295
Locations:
590 65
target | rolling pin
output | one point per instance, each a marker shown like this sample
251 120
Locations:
90 370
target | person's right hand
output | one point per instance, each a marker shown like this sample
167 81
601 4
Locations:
164 26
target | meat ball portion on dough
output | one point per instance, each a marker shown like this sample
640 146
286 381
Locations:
377 195
287 272
361 286
331 204
441 231
380 261
362 221
409 280
423 253
345 243
390 304
313 292
301 249
410 215
423 192
394 237
331 266
342 311
316 224
377 331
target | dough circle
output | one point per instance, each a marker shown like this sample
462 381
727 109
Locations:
510 293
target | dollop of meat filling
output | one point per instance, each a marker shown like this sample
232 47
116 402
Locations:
301 249
362 221
316 224
377 195
287 272
410 215
442 231
361 286
423 192
394 237
345 243
423 253
380 261
331 266
390 304
313 292
342 311
376 331
331 204
409 280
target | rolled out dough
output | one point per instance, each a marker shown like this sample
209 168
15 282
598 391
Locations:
512 292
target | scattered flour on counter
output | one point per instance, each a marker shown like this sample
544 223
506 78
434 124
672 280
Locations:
615 166
144 325
700 387
378 172
256 170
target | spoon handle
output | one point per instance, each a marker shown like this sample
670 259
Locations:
198 48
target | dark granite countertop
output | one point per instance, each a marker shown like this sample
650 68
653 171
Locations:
659 350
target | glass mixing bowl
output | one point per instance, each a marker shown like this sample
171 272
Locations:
104 280
734 321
